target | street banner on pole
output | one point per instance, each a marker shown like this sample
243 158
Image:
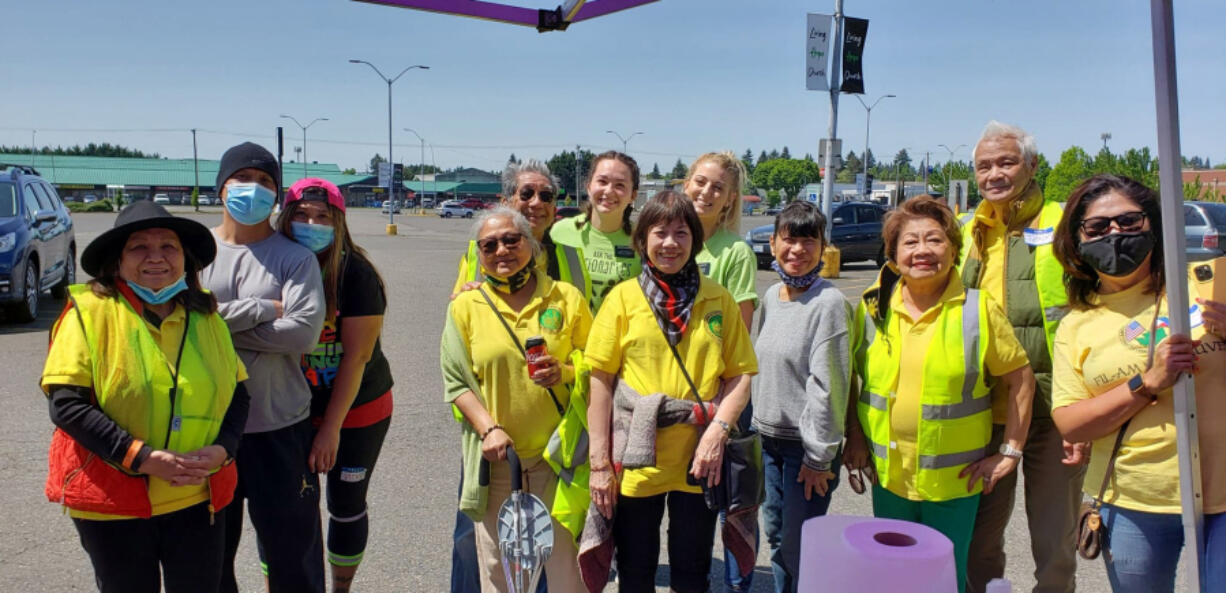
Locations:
817 43
854 31
385 173
825 144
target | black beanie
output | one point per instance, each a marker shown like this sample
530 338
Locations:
247 155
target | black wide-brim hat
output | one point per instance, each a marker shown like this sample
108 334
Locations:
141 215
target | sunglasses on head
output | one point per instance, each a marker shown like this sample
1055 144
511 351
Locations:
860 479
1100 225
489 245
526 193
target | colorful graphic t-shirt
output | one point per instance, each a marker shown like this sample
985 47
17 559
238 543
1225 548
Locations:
360 296
609 256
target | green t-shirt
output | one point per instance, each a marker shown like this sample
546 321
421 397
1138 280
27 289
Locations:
730 262
609 256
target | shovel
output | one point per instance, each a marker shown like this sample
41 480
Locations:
525 533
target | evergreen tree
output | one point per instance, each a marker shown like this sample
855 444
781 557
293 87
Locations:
774 154
374 163
512 159
785 154
679 170
762 158
747 160
655 172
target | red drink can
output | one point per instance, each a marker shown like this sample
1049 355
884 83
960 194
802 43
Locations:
534 351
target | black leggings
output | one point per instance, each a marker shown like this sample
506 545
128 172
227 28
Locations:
348 481
691 536
127 553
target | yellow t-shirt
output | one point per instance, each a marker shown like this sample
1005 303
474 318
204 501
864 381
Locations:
1003 355
557 312
626 341
68 363
1099 348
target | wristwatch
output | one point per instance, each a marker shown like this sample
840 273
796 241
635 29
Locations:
1008 451
1136 385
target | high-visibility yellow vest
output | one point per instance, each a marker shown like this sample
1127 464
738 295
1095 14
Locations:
134 381
956 416
571 267
567 454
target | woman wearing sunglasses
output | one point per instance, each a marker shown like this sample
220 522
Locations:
603 231
1115 361
529 188
486 377
350 379
928 351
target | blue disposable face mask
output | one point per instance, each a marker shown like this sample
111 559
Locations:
316 237
158 297
249 203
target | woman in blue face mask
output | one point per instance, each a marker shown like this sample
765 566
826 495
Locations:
350 380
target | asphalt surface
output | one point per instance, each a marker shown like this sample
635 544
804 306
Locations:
413 491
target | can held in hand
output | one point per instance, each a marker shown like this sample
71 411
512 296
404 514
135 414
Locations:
534 351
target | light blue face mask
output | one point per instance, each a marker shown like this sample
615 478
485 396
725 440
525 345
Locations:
158 297
316 237
249 203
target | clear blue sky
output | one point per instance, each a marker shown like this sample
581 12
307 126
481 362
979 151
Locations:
694 75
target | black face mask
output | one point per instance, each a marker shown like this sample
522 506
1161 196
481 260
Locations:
1117 254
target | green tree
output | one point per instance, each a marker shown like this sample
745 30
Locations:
679 170
374 163
762 158
655 172
119 199
772 197
747 160
570 167
774 154
785 154
1041 171
349 171
1104 162
789 175
512 159
196 198
1074 167
1139 165
852 166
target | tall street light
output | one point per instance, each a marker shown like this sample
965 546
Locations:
868 109
423 161
391 211
304 129
624 140
951 152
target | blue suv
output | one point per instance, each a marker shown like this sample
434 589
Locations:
37 244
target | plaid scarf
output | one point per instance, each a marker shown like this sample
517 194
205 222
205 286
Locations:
671 297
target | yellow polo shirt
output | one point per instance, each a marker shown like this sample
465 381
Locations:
626 341
557 312
68 363
1004 354
1099 348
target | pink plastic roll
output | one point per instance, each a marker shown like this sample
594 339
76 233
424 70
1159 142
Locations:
864 554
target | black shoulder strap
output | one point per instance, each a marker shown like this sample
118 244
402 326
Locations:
556 404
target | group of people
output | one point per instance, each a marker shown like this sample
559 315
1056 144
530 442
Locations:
1026 337
201 368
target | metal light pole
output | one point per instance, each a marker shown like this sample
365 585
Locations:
624 140
391 212
196 167
946 167
836 82
868 113
423 161
304 129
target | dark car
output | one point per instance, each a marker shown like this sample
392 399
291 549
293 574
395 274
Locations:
567 212
856 232
1204 224
37 243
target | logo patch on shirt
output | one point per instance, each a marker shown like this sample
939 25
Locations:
715 324
551 320
353 474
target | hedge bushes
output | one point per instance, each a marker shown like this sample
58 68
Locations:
103 205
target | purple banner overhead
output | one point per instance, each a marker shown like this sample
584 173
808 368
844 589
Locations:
854 31
552 19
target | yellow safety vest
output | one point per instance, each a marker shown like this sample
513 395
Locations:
567 454
135 384
956 415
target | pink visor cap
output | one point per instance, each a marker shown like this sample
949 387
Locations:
316 190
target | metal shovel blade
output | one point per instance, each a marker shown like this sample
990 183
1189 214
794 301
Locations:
525 539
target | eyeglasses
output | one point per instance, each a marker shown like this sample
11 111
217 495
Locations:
489 245
1100 225
860 478
526 193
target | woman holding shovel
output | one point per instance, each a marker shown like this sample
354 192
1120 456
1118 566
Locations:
507 401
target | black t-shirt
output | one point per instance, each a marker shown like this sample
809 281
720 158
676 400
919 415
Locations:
360 295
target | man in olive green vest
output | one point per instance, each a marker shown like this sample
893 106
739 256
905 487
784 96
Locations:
1007 252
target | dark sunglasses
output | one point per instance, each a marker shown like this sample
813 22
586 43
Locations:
489 245
1100 225
861 478
526 193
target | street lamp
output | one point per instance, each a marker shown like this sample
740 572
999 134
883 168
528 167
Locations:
624 140
423 161
868 114
391 212
304 129
946 167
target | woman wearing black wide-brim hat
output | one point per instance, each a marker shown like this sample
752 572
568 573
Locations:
147 396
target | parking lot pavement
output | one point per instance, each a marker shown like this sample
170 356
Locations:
413 492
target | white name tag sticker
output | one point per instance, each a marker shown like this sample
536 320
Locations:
1036 237
1195 317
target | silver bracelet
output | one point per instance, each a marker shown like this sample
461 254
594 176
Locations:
725 426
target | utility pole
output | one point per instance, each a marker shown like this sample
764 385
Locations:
579 174
836 83
196 167
33 145
926 161
1105 136
422 172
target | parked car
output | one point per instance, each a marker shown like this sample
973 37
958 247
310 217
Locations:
427 202
207 200
1204 224
454 209
773 211
89 199
856 232
37 242
162 199
473 204
390 207
567 212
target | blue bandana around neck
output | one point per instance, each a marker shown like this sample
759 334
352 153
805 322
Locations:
800 282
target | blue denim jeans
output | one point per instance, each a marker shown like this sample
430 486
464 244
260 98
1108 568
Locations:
1142 550
786 508
733 581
